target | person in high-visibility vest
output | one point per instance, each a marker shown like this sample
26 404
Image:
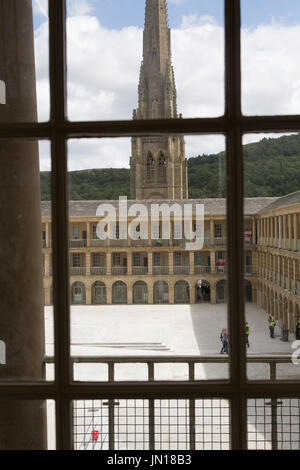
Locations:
298 328
247 332
272 325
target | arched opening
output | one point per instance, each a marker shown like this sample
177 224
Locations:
78 294
161 292
248 291
182 292
140 293
202 291
150 167
162 166
119 293
221 294
99 293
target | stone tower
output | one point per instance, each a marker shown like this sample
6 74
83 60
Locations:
158 164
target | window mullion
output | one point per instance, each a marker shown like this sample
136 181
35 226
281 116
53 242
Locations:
57 45
235 219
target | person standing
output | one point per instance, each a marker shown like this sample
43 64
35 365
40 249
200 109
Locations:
224 339
298 328
247 332
272 325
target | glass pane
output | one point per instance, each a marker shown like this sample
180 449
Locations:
270 41
148 264
271 227
24 67
142 67
273 424
27 425
26 332
152 424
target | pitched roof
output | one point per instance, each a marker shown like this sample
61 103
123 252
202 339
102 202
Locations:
212 206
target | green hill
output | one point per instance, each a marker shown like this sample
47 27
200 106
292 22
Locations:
272 168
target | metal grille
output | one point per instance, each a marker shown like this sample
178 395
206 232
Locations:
201 424
274 424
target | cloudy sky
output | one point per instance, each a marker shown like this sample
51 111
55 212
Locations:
104 51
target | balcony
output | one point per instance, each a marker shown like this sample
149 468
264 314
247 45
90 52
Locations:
181 269
77 243
160 270
118 270
98 270
202 269
160 243
139 270
220 241
96 242
78 271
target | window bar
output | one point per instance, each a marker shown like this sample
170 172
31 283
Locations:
235 217
57 42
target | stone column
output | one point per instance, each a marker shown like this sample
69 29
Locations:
212 234
192 262
213 294
22 422
212 255
129 264
88 263
108 264
171 262
295 224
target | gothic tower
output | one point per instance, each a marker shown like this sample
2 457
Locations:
158 164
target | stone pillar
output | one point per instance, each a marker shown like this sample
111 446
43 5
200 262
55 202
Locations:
88 263
150 263
192 262
150 294
171 262
253 231
212 255
295 224
108 264
171 293
212 232
88 234
22 422
290 246
213 294
88 294
129 263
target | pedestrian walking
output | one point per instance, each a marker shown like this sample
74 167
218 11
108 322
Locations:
298 328
247 332
224 339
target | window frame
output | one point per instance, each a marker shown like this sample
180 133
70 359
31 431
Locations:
58 130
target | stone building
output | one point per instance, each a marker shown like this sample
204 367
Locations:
158 270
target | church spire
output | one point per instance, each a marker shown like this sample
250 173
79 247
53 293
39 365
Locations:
158 167
157 91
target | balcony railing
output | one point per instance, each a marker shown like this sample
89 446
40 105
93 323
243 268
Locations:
78 271
98 270
202 269
77 243
181 269
220 241
118 270
160 242
139 270
96 242
160 270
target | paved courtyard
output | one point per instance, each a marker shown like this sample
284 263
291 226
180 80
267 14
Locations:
165 330
168 330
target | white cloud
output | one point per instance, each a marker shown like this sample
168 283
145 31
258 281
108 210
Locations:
103 71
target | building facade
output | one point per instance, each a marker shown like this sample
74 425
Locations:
158 270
